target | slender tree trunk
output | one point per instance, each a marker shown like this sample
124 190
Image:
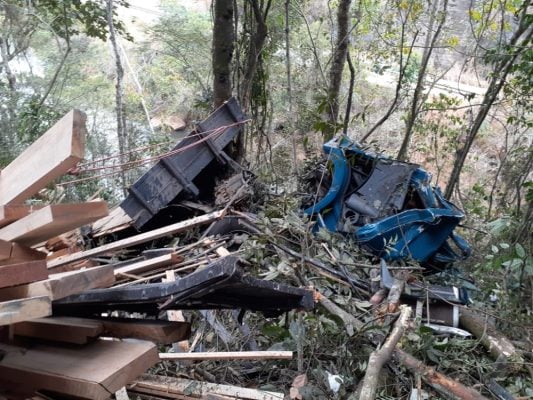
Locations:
119 94
257 42
223 46
350 94
289 85
337 66
517 45
416 103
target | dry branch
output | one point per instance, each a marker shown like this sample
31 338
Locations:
447 387
497 344
379 357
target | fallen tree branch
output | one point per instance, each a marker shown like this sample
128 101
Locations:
379 357
498 345
447 387
350 322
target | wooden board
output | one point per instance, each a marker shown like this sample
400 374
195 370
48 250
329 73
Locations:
64 284
228 355
117 220
138 239
22 273
60 329
93 371
12 253
82 330
147 265
164 384
51 221
24 309
49 157
157 331
9 214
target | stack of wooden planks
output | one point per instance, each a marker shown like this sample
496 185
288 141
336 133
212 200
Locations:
59 355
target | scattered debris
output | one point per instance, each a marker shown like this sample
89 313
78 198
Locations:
162 267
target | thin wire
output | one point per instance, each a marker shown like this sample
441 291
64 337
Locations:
134 164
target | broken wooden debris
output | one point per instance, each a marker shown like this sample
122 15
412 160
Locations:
145 265
92 371
82 330
19 310
161 385
228 355
50 156
138 239
52 220
63 284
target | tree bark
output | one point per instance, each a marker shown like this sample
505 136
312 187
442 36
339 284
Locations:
257 42
498 345
223 46
417 95
379 357
337 66
119 95
350 94
517 45
447 387
289 87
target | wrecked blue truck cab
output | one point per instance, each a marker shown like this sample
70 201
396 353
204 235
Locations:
389 207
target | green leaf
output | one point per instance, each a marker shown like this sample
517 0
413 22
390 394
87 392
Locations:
520 252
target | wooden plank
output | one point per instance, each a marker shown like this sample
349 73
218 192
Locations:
51 221
64 284
22 273
49 157
157 331
82 330
148 265
60 329
94 371
228 355
165 384
138 239
12 253
9 214
24 309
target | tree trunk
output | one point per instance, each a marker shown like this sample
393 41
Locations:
257 41
350 94
223 45
119 95
417 95
516 46
337 66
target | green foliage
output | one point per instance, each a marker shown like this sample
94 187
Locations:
72 17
